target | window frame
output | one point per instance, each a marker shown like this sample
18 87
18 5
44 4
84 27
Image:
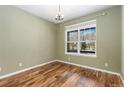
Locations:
78 41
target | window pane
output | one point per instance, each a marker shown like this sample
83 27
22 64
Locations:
88 34
72 35
87 47
72 47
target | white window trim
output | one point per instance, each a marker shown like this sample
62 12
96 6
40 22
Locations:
78 27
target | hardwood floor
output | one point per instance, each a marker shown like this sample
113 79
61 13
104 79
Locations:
59 74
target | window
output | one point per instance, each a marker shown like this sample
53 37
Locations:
72 38
80 39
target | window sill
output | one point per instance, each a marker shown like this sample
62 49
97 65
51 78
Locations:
85 55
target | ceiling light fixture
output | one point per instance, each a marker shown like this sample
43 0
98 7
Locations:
59 16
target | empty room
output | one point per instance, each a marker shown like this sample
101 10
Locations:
61 45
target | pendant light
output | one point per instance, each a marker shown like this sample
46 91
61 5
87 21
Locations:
59 16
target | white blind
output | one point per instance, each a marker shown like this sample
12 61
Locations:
83 25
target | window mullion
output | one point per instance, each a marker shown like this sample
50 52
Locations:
78 40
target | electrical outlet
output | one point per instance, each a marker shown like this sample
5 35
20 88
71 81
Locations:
106 64
0 69
20 64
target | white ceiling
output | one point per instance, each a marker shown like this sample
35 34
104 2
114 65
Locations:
48 12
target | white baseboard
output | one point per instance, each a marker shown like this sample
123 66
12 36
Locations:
121 78
88 67
26 69
97 69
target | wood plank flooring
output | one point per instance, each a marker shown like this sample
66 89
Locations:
59 74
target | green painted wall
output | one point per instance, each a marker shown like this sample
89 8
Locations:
24 38
108 41
123 41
